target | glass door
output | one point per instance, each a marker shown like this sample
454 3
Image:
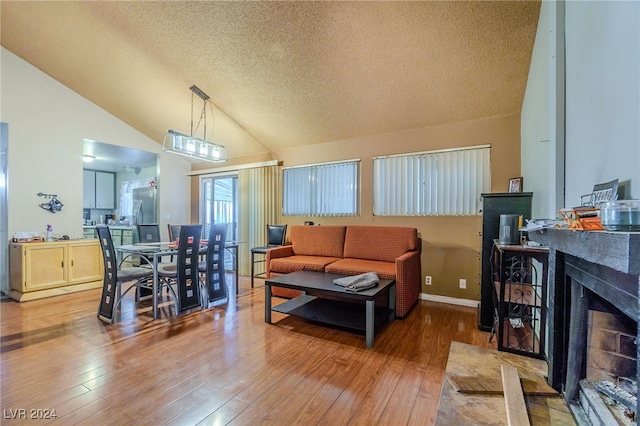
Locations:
219 204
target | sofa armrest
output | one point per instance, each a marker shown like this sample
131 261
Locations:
408 278
277 252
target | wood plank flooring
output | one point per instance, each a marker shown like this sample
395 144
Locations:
220 366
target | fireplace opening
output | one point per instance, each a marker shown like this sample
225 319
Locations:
601 361
611 346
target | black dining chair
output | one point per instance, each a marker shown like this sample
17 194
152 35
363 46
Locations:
214 282
184 272
114 277
276 235
147 233
174 231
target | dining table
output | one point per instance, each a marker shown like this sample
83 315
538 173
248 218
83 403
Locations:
158 250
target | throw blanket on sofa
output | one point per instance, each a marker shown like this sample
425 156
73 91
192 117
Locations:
358 282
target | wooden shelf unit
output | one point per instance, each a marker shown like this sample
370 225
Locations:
520 293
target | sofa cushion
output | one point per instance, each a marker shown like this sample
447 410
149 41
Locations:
383 243
327 241
285 265
350 266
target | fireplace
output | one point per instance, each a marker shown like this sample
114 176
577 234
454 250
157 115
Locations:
593 312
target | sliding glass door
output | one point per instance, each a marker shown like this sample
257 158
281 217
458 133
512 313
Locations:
219 204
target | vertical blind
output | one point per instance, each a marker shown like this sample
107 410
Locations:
259 202
431 183
329 189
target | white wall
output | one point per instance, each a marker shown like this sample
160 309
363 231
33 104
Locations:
603 96
600 111
47 123
535 127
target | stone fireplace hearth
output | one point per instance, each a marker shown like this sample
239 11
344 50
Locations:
594 277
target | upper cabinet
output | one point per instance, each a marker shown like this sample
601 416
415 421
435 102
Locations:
99 190
88 189
105 190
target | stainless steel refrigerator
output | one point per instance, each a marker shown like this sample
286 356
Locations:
145 205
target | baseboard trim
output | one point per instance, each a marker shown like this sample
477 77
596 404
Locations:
450 300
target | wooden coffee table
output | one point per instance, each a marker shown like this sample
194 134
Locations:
346 313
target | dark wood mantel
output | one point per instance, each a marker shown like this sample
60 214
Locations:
616 250
606 263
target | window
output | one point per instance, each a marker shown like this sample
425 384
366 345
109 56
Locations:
329 189
431 183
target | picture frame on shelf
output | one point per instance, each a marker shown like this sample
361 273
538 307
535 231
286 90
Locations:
515 184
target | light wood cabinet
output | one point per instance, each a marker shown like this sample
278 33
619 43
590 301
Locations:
85 262
45 266
38 270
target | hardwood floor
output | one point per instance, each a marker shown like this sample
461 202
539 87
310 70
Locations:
220 366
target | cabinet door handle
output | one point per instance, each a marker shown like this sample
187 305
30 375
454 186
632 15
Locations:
62 264
72 263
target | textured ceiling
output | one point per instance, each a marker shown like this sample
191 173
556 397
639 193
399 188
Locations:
282 74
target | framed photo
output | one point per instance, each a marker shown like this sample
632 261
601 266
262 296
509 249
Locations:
515 184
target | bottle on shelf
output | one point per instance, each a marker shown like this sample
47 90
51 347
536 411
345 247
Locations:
49 233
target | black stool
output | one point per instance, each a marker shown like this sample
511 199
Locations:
275 238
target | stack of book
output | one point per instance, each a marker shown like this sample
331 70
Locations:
582 218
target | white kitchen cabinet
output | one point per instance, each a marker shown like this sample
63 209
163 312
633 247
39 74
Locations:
105 190
88 189
89 233
127 237
99 190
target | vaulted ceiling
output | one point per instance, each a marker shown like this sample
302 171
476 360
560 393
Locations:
282 74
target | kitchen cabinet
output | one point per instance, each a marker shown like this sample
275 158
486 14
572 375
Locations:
119 234
99 190
105 190
88 189
127 236
38 270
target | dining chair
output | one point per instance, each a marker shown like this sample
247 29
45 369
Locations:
184 272
147 233
174 231
214 282
114 277
275 238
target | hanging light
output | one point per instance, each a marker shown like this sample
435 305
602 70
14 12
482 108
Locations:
191 146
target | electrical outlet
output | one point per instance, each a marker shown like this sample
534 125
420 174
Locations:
463 283
427 280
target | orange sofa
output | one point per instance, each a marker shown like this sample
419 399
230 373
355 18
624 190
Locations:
389 251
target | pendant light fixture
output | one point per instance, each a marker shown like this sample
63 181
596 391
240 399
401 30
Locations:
191 146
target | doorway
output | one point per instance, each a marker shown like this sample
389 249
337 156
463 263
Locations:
219 204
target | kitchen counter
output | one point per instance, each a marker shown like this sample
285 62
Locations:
120 227
120 234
